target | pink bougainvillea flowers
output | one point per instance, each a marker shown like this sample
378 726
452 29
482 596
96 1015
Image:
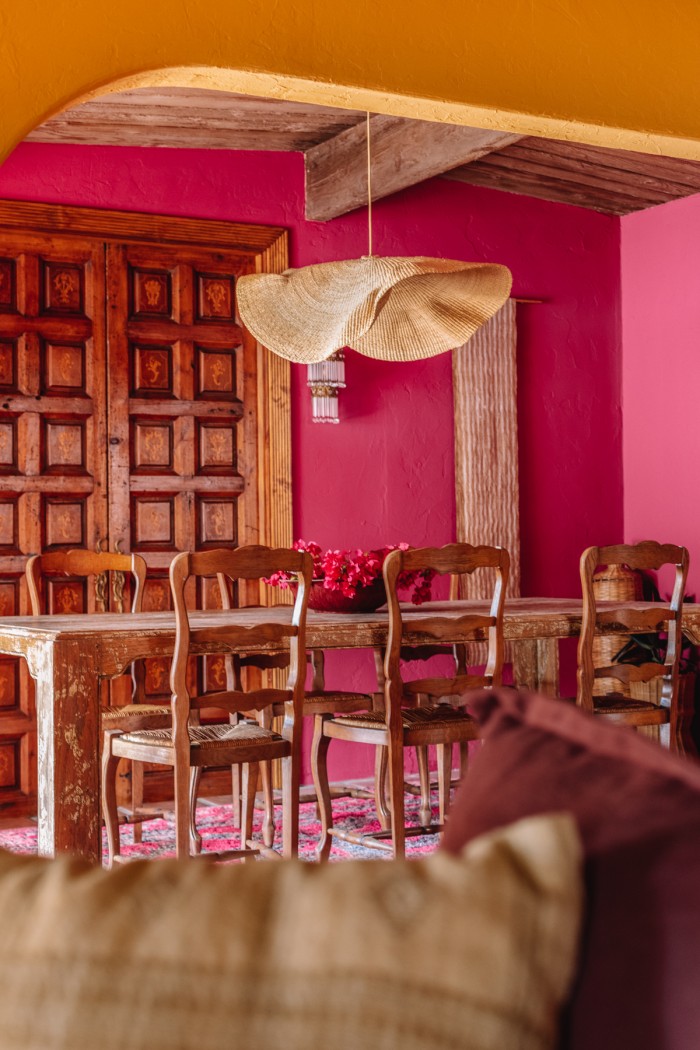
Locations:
348 570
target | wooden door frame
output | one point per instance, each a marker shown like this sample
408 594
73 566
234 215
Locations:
269 246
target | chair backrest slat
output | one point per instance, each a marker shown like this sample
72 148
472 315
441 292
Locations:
445 628
453 558
632 672
443 686
83 563
244 563
233 638
238 701
645 555
633 620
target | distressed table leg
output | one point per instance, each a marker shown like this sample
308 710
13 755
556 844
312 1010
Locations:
536 665
68 744
525 664
548 666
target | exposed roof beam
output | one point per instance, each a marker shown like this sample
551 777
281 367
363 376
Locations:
190 118
404 152
605 180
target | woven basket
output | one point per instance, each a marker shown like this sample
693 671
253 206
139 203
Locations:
613 583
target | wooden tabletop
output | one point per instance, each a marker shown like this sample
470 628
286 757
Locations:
153 633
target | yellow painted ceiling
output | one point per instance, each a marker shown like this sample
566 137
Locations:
621 73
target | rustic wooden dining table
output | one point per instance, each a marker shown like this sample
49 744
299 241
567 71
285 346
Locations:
68 656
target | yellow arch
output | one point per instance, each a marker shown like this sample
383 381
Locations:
619 74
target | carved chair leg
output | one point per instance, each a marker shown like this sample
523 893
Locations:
137 797
425 812
268 825
675 735
463 759
195 837
249 787
396 795
290 803
381 765
444 769
235 783
181 774
319 769
682 712
109 796
236 795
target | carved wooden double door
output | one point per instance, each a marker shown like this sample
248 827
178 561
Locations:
130 405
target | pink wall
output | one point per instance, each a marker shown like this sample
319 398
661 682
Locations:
386 472
661 375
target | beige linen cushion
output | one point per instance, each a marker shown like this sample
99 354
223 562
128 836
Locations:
475 951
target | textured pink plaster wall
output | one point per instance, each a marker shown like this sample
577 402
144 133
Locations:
661 375
386 472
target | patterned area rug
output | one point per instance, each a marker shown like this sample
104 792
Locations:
218 833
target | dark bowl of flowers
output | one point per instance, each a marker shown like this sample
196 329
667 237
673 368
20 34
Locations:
351 581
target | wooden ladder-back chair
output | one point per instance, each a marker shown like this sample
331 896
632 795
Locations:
458 654
401 725
662 619
82 564
188 746
317 700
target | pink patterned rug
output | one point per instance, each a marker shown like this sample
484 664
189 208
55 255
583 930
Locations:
216 827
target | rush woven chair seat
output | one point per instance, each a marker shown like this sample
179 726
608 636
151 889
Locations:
50 578
189 746
399 726
662 619
414 721
617 704
208 738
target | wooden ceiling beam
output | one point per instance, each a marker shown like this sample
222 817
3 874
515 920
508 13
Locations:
617 162
404 152
583 176
552 190
549 173
182 118
635 175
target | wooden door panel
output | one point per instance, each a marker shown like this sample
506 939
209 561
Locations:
52 461
180 372
183 421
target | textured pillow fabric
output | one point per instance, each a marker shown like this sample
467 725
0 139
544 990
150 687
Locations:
638 811
475 951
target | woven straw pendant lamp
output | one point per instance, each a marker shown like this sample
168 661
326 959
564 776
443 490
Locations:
391 308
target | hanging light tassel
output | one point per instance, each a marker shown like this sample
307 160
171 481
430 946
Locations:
325 379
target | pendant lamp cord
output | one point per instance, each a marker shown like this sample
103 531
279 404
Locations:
369 192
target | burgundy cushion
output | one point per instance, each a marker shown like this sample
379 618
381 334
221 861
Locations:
638 810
